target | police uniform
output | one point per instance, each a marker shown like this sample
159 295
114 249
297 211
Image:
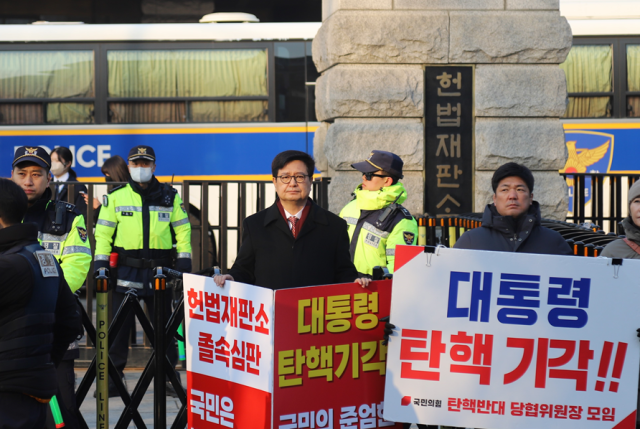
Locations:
38 319
61 227
377 221
61 232
139 225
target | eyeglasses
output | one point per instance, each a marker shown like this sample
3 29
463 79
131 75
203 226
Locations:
299 178
370 176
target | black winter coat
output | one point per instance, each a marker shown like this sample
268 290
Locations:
16 287
77 199
506 234
270 257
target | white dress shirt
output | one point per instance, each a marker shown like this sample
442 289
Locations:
62 178
288 215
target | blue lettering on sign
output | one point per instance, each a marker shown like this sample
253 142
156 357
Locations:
567 296
518 298
522 291
480 294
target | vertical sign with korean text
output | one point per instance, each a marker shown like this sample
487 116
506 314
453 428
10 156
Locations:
229 340
449 140
330 363
504 340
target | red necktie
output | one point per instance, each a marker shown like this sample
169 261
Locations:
294 221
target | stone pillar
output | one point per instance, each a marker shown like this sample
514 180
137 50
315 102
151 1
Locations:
372 54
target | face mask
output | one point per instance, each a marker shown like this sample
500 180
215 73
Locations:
108 179
57 168
141 174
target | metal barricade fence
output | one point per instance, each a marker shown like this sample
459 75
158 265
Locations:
585 239
599 198
163 331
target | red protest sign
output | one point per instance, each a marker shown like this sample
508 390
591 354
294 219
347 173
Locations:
216 403
229 333
329 360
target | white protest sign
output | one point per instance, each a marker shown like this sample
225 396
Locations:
502 340
229 347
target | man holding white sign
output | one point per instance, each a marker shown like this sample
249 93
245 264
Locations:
510 340
513 341
512 222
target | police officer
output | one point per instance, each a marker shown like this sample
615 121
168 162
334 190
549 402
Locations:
62 232
377 222
137 221
61 227
38 316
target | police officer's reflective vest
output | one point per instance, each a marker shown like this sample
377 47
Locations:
140 231
62 232
373 242
33 350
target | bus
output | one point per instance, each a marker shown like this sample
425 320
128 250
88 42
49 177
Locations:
602 120
216 101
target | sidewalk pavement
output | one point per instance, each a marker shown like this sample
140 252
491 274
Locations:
116 406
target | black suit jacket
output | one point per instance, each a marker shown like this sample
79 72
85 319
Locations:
78 200
270 257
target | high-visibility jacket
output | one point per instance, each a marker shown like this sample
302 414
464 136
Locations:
138 223
62 231
373 241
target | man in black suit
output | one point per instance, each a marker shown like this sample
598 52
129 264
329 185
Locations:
294 242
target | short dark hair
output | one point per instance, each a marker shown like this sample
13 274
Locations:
25 164
64 154
283 158
13 202
394 179
512 169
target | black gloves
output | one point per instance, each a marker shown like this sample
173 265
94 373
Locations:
389 327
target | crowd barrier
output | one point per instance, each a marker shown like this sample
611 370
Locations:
162 333
585 239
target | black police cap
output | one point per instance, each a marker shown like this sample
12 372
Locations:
142 152
34 154
381 160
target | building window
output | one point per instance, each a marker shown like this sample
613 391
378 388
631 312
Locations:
46 87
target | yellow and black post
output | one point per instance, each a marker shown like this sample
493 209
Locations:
422 231
159 386
102 349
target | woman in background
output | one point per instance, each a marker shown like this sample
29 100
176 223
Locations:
61 160
115 170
